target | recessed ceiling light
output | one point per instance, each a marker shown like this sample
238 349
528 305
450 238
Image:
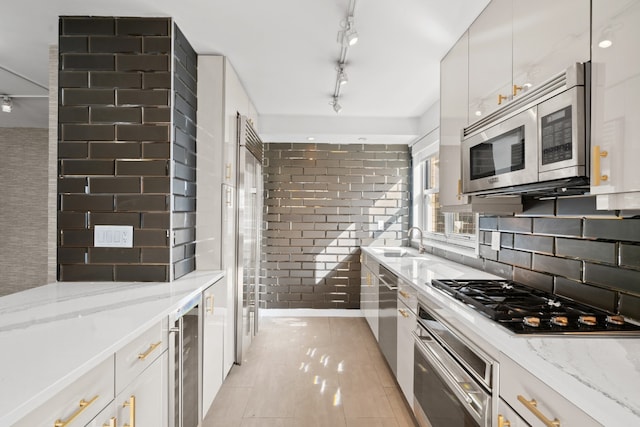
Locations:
310 138
7 105
362 138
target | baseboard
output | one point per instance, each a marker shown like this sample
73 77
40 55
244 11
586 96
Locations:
309 312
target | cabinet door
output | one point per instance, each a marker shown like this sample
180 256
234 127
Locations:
518 387
616 104
235 101
215 300
80 401
369 299
546 42
145 401
454 101
229 260
404 375
508 417
490 59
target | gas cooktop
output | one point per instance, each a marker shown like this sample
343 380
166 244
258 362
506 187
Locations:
526 310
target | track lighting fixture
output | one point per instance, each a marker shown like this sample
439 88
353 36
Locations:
347 37
7 104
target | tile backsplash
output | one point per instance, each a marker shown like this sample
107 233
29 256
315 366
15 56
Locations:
126 147
322 202
567 247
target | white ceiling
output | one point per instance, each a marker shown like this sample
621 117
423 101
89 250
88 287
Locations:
284 51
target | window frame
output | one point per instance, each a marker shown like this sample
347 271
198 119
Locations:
421 152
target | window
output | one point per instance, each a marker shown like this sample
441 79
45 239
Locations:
446 227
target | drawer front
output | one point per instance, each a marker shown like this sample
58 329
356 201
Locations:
408 295
519 388
507 417
77 404
139 354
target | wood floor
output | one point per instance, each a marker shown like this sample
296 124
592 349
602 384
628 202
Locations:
311 372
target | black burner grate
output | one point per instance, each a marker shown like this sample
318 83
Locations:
527 310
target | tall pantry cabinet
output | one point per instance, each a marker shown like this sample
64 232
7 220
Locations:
221 97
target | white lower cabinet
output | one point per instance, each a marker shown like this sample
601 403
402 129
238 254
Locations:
404 374
77 404
537 403
143 402
213 334
507 417
369 296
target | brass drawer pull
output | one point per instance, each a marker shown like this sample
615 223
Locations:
403 313
502 422
532 405
227 174
131 403
146 354
112 423
404 294
501 98
210 304
84 404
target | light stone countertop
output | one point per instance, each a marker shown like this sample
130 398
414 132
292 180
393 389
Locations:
600 375
52 335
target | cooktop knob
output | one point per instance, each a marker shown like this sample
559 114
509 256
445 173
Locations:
532 321
615 320
560 320
588 320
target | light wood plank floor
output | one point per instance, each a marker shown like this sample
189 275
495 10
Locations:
311 372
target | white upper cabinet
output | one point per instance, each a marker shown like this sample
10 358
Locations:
490 72
615 106
548 37
517 44
454 72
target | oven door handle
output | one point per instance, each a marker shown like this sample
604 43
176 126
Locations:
474 406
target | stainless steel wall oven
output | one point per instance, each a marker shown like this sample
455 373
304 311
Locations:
452 382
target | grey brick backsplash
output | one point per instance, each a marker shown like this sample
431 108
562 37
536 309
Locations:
569 268
576 251
525 242
630 255
334 197
614 277
117 125
534 279
586 249
557 226
591 295
627 230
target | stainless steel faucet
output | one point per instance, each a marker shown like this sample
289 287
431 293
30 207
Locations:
421 248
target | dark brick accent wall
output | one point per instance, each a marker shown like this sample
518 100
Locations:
184 155
567 247
114 148
322 202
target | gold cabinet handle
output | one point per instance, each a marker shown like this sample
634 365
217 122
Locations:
403 313
404 294
112 423
597 174
516 89
210 300
532 405
459 189
152 347
502 422
227 168
501 98
84 404
368 279
131 403
228 197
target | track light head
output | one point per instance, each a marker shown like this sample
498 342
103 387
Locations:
342 77
351 36
7 104
336 106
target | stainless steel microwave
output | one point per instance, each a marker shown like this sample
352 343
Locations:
535 144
